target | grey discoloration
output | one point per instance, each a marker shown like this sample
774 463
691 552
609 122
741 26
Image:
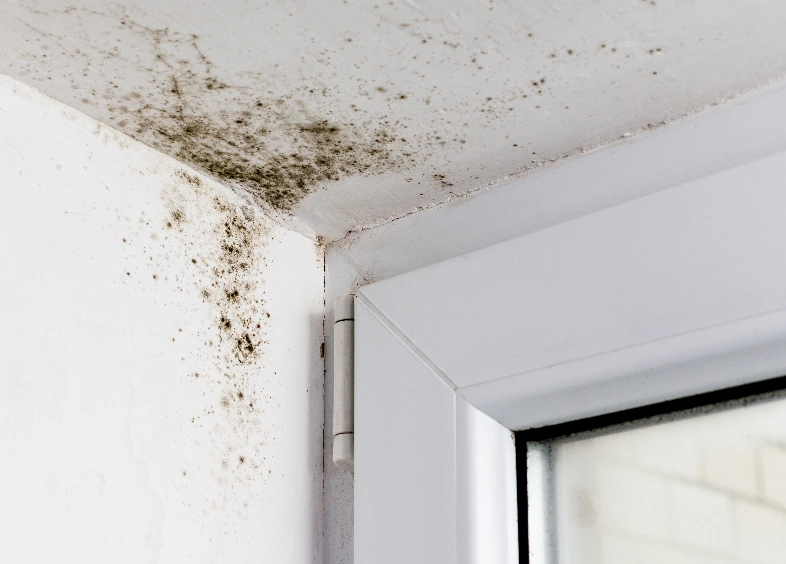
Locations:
274 148
210 247
243 131
230 273
395 106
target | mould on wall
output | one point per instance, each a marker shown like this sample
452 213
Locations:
230 271
211 245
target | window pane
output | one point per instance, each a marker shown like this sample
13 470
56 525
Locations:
707 489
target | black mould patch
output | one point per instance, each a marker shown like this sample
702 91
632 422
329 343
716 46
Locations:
270 146
277 126
284 105
212 248
277 170
246 132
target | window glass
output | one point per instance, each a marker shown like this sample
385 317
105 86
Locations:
704 489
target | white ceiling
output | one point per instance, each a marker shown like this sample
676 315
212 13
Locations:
337 115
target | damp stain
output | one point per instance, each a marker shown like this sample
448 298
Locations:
274 171
272 134
210 247
285 104
272 145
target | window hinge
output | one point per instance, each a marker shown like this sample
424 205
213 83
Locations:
344 383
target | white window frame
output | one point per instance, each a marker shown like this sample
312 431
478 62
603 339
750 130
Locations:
434 456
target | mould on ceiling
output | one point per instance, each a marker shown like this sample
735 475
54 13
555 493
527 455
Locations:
396 106
268 144
273 138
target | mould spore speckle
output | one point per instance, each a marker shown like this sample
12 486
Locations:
279 169
216 250
243 130
381 91
273 135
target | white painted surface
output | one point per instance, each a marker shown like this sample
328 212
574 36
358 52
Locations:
673 293
405 453
683 365
691 258
540 521
436 480
340 279
717 140
111 448
344 382
486 495
737 132
694 256
450 82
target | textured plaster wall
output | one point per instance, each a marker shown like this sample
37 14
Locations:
160 370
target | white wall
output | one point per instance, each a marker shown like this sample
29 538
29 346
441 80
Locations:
148 413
